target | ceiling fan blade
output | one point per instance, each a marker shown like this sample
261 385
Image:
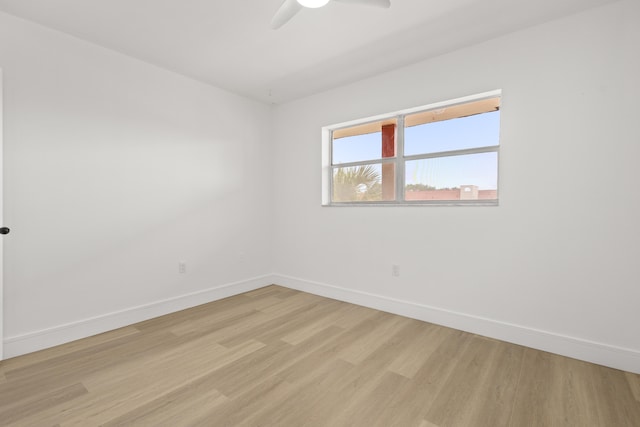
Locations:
287 11
376 3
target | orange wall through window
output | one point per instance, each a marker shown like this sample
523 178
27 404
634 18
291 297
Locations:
388 169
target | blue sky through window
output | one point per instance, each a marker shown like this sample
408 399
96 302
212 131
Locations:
480 130
357 148
453 171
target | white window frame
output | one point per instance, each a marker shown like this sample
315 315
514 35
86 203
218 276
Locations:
400 159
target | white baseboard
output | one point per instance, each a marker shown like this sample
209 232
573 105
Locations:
50 337
577 348
603 354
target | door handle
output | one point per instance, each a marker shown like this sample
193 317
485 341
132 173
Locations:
4 230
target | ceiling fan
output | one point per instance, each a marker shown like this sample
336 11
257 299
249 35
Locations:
290 7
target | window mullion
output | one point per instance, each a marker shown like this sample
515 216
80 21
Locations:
478 150
362 163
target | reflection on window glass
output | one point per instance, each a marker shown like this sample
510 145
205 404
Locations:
463 177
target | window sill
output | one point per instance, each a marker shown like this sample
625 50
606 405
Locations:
421 203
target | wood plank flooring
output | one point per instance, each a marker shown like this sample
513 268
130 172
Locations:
278 357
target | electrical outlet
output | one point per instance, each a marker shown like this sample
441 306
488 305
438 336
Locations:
395 270
182 267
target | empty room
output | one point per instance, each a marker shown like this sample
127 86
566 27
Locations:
320 213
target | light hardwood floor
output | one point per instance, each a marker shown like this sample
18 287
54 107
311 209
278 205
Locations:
278 357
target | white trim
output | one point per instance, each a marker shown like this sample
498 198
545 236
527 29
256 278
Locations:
1 225
327 170
600 353
45 338
577 348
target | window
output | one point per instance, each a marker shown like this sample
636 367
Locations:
445 153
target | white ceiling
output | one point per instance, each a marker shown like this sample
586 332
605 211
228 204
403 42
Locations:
229 43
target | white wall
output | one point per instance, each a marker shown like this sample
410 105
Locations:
114 171
555 266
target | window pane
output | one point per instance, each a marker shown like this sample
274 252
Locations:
466 177
479 130
368 141
357 148
358 183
